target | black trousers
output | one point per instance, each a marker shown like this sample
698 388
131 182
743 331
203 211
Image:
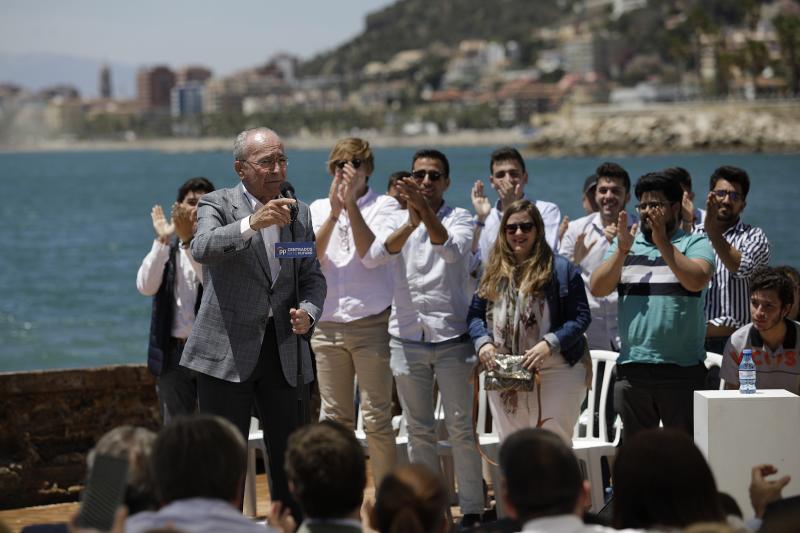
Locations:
277 405
645 394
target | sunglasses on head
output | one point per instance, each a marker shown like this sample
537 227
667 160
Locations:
341 163
433 175
526 227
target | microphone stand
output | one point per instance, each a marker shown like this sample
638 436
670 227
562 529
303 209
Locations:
301 411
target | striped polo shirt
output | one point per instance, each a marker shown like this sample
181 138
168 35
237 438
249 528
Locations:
659 320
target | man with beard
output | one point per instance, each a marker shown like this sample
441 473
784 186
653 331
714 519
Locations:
740 250
586 242
661 275
772 336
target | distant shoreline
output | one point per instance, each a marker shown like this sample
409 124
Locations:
223 144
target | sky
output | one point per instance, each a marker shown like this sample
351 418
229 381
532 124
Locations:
224 35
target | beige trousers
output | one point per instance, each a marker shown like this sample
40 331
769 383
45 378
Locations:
359 348
563 391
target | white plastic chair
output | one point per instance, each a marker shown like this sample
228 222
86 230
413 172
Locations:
590 449
715 359
255 441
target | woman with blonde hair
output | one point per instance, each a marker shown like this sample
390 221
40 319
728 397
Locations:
531 302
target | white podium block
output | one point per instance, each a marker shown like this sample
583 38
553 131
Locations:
738 431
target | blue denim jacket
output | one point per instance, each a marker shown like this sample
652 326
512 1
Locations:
569 312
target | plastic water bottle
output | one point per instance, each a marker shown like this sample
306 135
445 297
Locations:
747 373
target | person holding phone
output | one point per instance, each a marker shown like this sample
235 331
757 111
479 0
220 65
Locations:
532 302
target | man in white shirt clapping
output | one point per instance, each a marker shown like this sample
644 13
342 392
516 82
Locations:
351 338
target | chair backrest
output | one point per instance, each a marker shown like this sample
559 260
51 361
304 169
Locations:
610 360
715 359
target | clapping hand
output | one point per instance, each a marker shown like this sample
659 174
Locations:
581 250
480 203
625 238
336 196
411 192
163 229
508 191
562 228
712 224
183 220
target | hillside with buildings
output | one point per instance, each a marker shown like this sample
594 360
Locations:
426 67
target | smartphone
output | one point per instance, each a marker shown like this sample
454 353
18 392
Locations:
104 492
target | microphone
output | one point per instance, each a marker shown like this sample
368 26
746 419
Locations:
287 191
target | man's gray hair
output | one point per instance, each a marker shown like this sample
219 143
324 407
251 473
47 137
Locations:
240 144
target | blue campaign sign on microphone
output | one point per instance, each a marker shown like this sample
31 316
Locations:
295 250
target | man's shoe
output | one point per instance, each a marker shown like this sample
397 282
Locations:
469 520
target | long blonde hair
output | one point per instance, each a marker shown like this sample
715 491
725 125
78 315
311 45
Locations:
502 270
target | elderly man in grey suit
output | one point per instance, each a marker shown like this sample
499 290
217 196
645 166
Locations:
243 344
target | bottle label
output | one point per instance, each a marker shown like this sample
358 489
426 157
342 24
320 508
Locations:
749 375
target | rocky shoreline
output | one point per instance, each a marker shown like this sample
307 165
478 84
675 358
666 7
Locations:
670 131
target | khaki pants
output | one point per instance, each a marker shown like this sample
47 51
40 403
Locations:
359 348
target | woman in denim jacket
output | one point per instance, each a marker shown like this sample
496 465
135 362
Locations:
532 302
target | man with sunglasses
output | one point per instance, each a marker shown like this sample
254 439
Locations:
351 338
661 275
431 243
508 178
740 249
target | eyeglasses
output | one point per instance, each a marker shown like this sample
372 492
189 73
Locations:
644 206
734 196
341 163
269 163
526 227
433 175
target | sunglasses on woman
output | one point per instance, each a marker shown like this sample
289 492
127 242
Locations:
526 227
341 163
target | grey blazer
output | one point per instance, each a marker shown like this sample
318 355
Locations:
238 292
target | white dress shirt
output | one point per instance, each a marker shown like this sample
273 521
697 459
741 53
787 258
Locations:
188 275
551 216
431 281
270 236
603 331
358 287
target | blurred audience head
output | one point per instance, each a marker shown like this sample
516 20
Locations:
541 476
793 276
661 479
682 176
327 470
391 189
411 499
198 185
199 456
588 201
134 444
